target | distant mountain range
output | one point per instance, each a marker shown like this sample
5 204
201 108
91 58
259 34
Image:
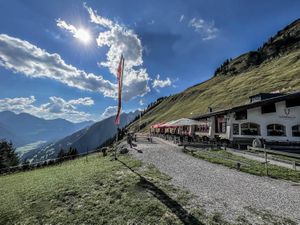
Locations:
24 128
86 139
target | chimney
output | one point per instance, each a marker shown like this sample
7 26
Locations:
209 109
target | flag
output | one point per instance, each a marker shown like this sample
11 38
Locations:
120 84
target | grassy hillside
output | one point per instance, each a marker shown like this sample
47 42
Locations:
279 74
95 191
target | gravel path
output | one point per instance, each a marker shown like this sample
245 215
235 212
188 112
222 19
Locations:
232 193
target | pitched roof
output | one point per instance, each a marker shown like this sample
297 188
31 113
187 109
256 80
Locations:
251 105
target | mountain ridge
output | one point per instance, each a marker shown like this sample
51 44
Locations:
86 139
24 128
279 72
286 40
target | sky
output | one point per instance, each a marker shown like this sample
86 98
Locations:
59 59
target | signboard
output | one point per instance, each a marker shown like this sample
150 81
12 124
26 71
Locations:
287 114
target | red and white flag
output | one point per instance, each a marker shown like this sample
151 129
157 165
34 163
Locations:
120 84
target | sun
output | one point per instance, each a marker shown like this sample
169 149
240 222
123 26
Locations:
83 35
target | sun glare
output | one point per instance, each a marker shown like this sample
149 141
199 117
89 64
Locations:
83 36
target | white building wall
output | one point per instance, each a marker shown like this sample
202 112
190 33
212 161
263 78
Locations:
211 124
284 116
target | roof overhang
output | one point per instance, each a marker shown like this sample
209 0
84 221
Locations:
250 106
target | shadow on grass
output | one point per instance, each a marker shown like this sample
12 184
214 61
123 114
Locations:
184 216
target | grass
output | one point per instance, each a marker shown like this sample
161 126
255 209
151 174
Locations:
269 218
96 191
249 166
227 91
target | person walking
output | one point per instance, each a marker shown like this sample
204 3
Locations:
129 139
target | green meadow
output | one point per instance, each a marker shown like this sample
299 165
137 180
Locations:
96 190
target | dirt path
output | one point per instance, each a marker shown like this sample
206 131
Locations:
232 193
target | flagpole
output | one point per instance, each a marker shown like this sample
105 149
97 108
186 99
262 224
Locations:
117 139
120 84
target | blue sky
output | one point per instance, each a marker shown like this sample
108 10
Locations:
50 69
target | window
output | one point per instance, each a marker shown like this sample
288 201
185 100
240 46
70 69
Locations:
203 128
185 128
250 129
268 108
236 129
292 102
276 130
220 124
296 130
241 115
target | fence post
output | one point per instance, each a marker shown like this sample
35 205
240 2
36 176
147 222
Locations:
238 165
294 165
266 161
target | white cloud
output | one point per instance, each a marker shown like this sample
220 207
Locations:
79 33
207 30
141 102
181 18
16 104
151 22
146 49
109 111
159 83
62 24
59 105
121 40
23 57
82 101
98 19
56 107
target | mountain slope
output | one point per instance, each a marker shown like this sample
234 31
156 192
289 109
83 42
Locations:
24 128
6 133
284 42
279 72
86 139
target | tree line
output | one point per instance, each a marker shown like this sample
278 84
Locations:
10 161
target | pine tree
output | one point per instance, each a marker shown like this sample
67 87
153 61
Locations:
61 155
8 156
72 153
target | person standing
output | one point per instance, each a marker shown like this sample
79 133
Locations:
129 139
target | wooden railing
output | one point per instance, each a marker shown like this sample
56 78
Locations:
280 153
